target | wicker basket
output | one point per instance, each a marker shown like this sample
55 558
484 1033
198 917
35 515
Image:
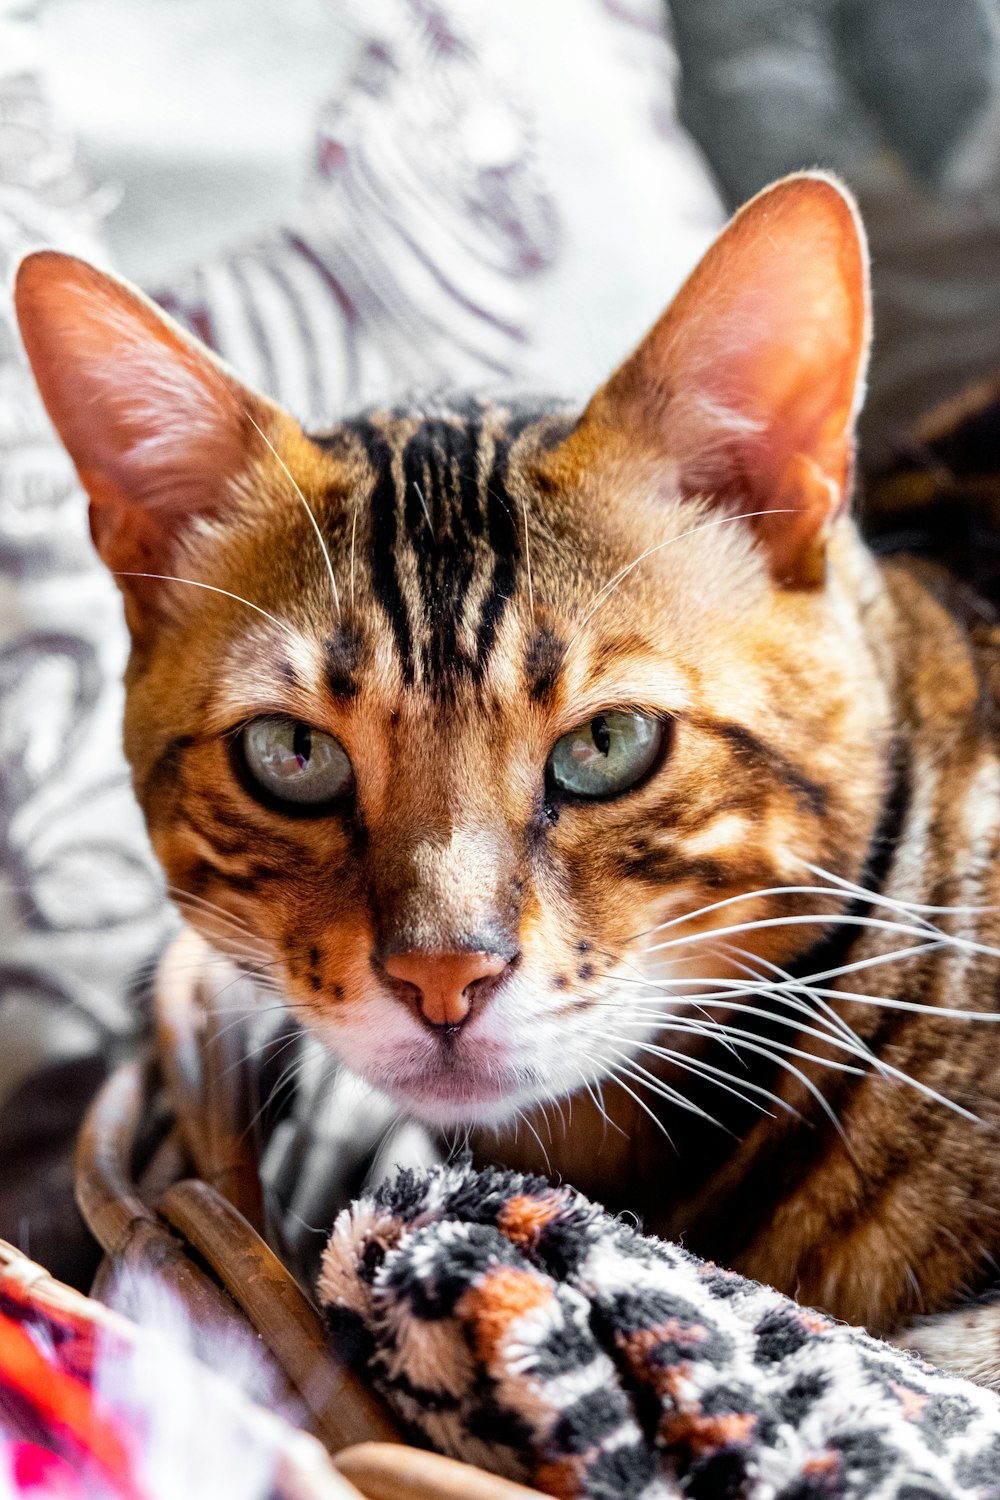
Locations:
168 1178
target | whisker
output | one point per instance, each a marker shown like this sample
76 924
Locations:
298 1065
423 506
541 1144
623 573
527 558
354 538
629 1067
822 1010
836 919
642 978
613 1074
306 506
702 1069
876 960
212 589
598 1102
872 897
913 906
885 1068
178 893
778 1053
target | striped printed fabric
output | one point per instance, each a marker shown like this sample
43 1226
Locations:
519 1327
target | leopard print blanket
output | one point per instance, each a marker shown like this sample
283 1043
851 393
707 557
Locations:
519 1327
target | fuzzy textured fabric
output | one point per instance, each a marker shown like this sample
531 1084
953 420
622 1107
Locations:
518 1326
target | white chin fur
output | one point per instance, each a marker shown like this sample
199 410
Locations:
521 1053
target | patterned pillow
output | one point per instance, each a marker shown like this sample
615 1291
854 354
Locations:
80 906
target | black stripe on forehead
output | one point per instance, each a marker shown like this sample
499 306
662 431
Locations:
442 513
384 535
505 540
543 661
342 660
445 524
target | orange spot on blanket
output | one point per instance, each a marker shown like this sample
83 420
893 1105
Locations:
523 1218
499 1299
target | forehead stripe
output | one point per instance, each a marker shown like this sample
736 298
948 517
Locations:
384 526
505 540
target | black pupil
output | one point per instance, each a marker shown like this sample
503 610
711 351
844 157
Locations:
601 734
302 743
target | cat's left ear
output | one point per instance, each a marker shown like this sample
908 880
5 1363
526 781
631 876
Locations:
157 427
748 388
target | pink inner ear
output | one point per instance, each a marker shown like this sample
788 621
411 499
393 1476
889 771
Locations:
153 424
751 381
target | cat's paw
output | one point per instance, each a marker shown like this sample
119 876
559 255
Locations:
965 1341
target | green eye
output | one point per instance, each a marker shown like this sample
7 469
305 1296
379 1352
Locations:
605 756
292 762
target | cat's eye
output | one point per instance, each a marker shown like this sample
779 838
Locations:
606 756
292 762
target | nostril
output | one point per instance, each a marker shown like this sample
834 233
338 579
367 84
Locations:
446 985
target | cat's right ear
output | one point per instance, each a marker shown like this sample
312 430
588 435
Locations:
746 392
158 429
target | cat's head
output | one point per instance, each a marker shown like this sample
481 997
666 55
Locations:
439 717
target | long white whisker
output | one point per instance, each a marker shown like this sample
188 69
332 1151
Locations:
702 1069
193 583
876 960
913 1006
423 506
749 1039
642 979
527 557
827 1014
306 506
836 919
612 1072
180 894
598 1102
872 897
909 906
873 961
541 1144
782 1051
623 573
628 1067
354 538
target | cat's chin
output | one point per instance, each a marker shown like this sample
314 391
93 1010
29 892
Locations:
445 1100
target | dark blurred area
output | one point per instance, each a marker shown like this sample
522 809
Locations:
902 98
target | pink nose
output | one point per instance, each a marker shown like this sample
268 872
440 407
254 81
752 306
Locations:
445 982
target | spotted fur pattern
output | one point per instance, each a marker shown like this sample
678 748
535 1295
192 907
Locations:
518 1327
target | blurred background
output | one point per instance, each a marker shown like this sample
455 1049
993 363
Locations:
351 199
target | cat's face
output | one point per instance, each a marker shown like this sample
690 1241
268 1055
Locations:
458 706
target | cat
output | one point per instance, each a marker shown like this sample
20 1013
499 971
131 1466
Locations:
542 754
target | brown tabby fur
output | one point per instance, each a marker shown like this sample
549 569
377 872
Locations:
823 710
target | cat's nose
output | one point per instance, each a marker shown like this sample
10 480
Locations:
447 984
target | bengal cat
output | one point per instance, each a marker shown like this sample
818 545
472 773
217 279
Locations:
544 754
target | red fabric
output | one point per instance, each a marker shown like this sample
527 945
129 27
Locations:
85 1438
36 1472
